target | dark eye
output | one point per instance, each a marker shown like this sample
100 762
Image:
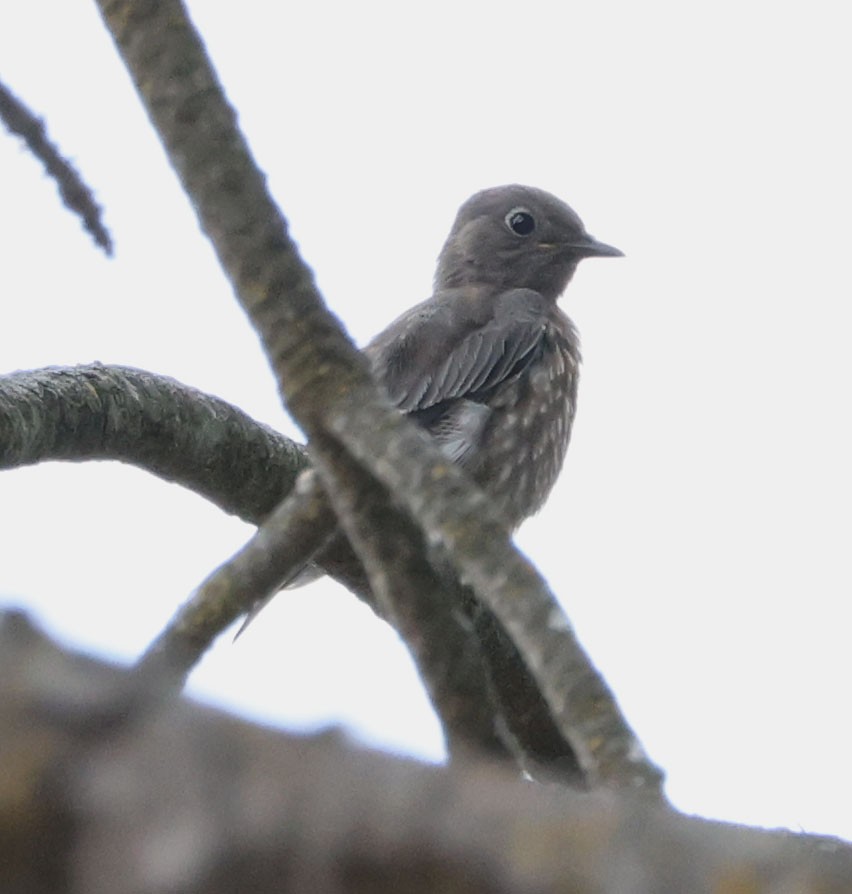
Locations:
520 221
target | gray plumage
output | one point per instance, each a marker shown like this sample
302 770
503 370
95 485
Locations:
489 364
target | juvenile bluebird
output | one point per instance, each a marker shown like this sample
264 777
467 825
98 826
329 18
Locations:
489 364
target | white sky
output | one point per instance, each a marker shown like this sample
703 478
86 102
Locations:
699 535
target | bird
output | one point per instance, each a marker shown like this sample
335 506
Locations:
488 365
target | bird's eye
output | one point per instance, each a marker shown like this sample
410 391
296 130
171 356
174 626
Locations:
520 221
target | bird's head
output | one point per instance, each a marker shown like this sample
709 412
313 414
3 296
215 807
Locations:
516 237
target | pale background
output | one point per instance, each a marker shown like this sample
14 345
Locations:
699 536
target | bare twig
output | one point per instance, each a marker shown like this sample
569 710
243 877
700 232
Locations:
76 196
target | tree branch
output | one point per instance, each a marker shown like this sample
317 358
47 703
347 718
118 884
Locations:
328 387
429 617
281 547
205 444
150 421
193 800
76 196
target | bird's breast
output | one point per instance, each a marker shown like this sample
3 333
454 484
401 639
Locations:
523 440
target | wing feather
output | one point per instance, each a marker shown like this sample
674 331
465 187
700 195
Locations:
458 344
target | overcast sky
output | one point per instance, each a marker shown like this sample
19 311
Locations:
699 535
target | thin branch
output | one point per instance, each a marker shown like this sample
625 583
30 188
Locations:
431 618
274 555
76 196
443 643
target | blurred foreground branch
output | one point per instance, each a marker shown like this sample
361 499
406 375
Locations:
98 798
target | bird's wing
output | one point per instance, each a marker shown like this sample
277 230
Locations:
457 345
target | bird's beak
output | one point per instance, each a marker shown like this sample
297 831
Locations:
589 247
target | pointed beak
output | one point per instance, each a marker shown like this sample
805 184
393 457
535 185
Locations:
589 247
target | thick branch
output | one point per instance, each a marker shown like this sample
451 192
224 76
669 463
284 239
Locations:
191 800
150 421
176 432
